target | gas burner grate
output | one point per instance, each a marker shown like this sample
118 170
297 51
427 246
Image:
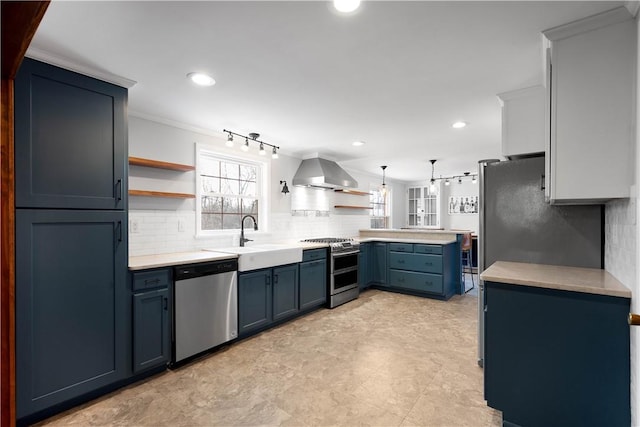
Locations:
328 240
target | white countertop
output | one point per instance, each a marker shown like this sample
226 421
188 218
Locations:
144 262
585 280
403 240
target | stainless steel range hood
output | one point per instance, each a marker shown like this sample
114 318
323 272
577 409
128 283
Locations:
322 173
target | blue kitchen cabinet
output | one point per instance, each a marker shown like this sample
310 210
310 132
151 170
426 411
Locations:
418 269
267 297
555 357
73 308
70 140
285 292
71 305
151 319
379 263
313 279
364 265
255 306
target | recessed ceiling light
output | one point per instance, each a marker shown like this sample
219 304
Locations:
357 143
201 79
346 6
459 125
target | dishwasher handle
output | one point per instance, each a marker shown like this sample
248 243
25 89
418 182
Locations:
191 271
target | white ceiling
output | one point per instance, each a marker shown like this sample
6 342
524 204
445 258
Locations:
395 74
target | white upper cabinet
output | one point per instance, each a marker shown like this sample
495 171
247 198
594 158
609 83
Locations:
523 122
590 95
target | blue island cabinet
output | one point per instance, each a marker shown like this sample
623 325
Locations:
73 309
266 296
555 357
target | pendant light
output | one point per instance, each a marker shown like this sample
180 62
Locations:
383 187
432 185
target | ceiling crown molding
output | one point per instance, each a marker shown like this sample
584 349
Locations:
610 17
47 57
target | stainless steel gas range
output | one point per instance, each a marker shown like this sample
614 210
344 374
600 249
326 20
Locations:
343 273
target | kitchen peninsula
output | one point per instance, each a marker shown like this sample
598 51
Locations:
414 261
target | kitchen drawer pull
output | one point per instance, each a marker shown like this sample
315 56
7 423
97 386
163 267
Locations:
151 281
634 319
400 261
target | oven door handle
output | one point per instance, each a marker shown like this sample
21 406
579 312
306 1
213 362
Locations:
341 254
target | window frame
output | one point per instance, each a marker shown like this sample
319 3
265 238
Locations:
262 190
424 195
387 207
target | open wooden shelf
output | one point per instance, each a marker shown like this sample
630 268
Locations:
139 161
352 207
354 192
146 193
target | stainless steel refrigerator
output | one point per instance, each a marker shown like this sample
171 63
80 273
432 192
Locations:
517 224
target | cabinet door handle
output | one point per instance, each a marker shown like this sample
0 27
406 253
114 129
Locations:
275 279
119 190
542 182
166 303
267 280
117 233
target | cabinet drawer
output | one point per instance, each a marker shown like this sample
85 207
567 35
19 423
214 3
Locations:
151 279
416 262
401 247
428 249
311 254
423 282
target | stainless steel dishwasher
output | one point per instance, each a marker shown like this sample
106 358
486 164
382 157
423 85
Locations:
205 307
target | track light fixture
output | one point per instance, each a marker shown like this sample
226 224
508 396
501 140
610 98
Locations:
252 137
448 179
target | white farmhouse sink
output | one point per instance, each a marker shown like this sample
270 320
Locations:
263 255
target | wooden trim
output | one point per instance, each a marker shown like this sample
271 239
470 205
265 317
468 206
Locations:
139 161
146 193
7 262
352 207
20 19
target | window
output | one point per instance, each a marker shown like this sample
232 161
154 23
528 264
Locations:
228 189
380 208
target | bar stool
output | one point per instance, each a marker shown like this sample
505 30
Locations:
467 264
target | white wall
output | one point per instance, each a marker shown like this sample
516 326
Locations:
169 225
459 221
622 247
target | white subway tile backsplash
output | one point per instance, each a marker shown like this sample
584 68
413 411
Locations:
620 256
158 230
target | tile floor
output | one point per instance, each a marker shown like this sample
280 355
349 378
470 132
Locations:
385 359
